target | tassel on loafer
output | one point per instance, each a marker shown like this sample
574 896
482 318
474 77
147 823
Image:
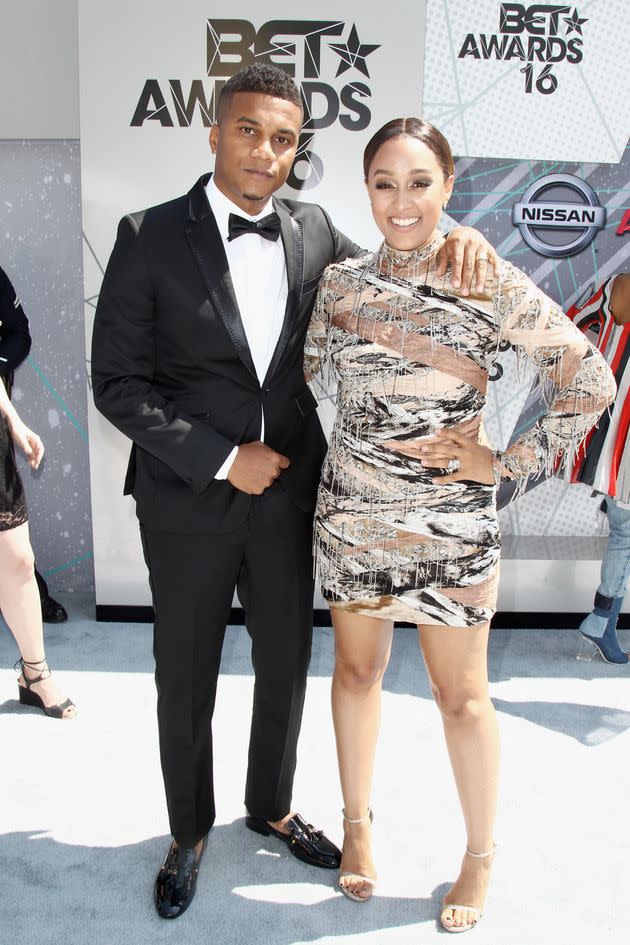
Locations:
307 844
176 881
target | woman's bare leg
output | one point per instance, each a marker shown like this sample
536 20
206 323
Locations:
362 649
456 661
21 608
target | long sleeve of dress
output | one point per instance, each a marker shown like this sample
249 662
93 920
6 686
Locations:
575 380
318 362
316 359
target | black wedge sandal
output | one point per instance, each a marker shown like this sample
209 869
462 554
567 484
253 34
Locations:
28 697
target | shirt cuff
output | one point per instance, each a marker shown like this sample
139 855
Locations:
222 472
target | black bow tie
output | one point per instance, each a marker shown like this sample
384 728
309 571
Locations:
268 227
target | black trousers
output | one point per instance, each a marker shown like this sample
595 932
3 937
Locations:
193 577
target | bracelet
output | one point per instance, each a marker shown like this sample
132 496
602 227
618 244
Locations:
497 457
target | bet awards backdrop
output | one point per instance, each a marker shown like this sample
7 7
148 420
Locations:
533 98
530 96
150 74
536 81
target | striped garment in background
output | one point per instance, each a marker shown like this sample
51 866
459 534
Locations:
603 460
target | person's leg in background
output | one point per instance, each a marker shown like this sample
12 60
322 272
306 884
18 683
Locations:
20 608
52 610
600 626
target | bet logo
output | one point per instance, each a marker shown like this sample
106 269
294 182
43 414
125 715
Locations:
547 33
329 69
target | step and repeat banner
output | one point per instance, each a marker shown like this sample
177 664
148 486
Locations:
533 81
150 77
530 96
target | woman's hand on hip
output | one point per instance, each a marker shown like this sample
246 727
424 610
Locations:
474 461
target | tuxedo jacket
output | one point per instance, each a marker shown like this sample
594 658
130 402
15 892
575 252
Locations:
171 367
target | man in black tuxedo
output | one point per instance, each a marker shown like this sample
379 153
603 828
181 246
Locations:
197 357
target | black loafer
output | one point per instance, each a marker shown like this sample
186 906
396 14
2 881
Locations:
53 611
176 882
304 842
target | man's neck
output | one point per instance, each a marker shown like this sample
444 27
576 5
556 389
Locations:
252 207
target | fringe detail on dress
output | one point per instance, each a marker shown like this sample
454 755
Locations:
409 354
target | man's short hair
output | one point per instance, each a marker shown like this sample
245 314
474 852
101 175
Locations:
263 78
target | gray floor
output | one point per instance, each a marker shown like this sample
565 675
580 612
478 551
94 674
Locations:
83 824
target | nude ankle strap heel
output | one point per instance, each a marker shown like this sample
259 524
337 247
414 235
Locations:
477 913
481 856
368 881
359 820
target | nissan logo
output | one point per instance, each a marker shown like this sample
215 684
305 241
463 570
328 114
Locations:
558 217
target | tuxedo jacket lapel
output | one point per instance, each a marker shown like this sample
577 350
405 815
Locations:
293 244
207 248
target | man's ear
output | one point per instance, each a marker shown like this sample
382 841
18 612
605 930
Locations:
213 137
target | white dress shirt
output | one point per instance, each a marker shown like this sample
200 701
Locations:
259 275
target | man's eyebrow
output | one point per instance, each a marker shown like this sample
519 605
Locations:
280 131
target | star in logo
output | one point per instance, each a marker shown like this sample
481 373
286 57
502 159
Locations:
574 22
353 53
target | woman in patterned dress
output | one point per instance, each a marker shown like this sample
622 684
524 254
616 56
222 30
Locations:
406 525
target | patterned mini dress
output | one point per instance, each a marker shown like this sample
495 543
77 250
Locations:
410 355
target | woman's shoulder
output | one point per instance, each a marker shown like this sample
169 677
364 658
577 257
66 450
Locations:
349 269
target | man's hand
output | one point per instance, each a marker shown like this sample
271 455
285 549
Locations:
469 254
256 467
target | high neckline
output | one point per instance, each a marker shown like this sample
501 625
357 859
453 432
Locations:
398 258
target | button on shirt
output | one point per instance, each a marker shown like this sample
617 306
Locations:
259 276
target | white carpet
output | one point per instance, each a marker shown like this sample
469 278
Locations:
83 826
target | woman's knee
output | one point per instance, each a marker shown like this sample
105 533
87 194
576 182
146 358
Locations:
460 707
19 567
358 674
